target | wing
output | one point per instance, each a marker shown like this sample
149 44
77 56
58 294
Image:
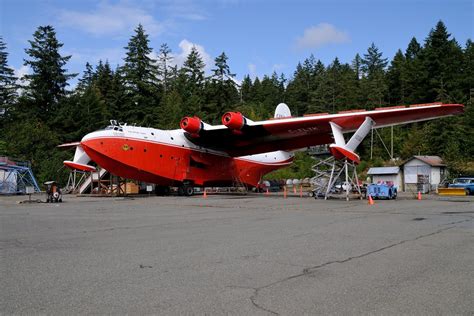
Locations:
240 136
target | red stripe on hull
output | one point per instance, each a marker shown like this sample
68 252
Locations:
167 165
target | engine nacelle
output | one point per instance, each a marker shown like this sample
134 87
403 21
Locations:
234 120
192 125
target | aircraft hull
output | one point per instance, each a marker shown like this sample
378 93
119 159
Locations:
167 164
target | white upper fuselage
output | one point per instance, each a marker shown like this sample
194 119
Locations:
176 138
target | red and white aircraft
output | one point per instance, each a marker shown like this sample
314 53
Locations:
240 150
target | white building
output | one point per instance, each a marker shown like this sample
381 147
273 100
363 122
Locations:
386 174
423 173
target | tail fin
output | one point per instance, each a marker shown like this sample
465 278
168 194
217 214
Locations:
282 110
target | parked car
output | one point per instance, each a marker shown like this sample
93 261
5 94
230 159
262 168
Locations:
465 182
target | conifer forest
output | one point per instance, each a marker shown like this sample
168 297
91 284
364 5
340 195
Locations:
42 110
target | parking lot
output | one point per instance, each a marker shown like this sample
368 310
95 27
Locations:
253 254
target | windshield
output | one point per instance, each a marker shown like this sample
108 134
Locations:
115 128
461 180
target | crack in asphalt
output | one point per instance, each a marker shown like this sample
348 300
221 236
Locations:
310 270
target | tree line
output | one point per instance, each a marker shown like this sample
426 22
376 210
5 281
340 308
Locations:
38 111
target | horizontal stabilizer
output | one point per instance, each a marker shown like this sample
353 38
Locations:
79 166
68 145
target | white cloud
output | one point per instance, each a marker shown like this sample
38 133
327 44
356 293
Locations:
186 46
185 9
23 70
20 72
320 35
109 19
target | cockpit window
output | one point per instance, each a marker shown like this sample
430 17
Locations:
115 128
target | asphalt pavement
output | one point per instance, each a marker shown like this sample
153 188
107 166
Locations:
252 254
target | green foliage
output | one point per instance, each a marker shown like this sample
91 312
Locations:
8 86
47 84
139 75
221 92
299 169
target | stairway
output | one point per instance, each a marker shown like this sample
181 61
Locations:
89 180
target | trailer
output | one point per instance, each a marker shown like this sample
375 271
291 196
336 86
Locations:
383 190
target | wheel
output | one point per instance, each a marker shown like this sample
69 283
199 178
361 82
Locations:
188 191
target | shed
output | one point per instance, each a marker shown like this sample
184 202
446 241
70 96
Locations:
386 174
423 173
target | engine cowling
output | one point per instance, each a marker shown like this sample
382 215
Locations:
234 120
192 125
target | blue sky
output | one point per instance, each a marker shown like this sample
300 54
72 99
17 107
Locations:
259 37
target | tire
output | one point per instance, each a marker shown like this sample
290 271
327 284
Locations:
188 191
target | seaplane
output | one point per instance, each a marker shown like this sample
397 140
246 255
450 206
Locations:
240 150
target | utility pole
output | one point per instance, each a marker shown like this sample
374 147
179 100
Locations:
391 142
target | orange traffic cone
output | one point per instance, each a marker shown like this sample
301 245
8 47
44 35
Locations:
284 191
294 189
301 191
267 193
419 196
371 201
205 194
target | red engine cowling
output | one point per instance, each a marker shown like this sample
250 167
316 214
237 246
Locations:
234 120
192 125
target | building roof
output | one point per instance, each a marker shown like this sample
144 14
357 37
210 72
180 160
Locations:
383 170
434 161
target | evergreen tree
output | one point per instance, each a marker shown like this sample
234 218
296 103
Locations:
164 63
191 84
337 89
193 68
8 86
356 66
412 75
302 88
171 113
413 49
47 84
442 61
246 89
87 78
373 63
140 77
373 82
221 91
395 79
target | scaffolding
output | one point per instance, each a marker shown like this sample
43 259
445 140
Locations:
15 176
334 178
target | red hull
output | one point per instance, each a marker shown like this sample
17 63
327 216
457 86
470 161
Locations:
166 164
